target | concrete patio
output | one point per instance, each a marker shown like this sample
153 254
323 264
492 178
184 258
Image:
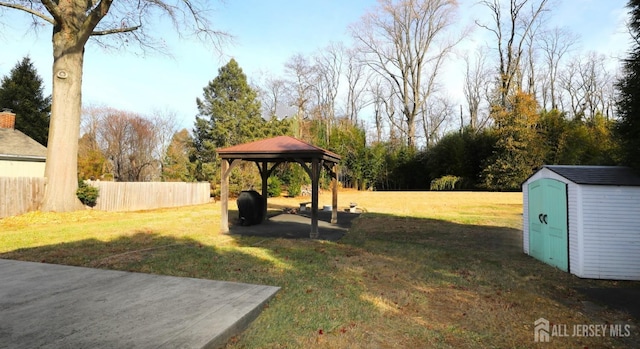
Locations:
296 226
56 306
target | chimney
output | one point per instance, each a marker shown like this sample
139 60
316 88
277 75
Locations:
7 119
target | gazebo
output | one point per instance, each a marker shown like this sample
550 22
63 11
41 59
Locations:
267 154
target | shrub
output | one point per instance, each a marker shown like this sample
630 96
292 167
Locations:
87 194
296 180
274 186
445 183
294 190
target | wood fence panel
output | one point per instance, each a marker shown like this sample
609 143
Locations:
20 195
134 196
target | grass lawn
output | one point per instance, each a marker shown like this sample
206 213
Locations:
416 270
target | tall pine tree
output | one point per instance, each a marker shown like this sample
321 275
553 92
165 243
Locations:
177 164
22 92
628 103
229 112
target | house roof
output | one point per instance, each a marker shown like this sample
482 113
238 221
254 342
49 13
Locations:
277 148
16 145
597 175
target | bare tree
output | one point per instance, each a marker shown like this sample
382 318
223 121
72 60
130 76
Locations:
328 69
587 85
90 121
435 113
406 42
356 79
91 160
391 102
300 85
128 141
73 23
510 31
570 87
477 82
165 125
528 71
555 44
377 111
272 95
382 98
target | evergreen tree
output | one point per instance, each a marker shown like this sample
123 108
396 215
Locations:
177 165
462 154
628 103
22 92
229 112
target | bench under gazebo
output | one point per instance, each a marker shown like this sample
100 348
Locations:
267 154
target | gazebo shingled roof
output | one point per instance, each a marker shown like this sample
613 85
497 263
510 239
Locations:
282 147
278 150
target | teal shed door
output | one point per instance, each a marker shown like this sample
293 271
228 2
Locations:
548 233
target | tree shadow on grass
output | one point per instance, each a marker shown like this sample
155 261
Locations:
298 267
492 258
474 276
145 251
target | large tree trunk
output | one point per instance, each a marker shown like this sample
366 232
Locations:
64 128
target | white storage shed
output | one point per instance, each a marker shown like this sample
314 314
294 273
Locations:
584 220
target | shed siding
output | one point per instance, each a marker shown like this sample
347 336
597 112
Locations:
525 217
574 208
611 232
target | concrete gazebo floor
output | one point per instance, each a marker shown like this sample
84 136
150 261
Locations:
295 226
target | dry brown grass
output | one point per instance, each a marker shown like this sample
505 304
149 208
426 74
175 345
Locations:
483 208
418 269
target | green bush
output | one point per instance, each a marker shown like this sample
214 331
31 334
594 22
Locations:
298 177
274 187
445 183
294 189
87 194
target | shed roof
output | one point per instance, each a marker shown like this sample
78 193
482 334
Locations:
281 147
597 175
15 144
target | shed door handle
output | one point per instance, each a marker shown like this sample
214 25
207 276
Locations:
543 218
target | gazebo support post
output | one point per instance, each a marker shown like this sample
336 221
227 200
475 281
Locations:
315 174
224 194
264 173
334 194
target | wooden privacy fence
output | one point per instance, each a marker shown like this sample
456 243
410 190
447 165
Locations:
133 196
20 195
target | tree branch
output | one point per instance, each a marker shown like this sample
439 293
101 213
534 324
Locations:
115 31
95 16
29 10
53 9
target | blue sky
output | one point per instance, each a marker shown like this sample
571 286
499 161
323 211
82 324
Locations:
267 33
